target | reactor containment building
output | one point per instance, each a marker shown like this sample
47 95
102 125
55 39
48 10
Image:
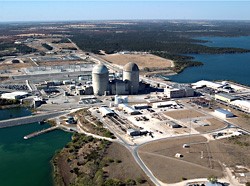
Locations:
128 85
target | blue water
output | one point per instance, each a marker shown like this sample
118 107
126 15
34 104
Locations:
27 162
235 42
235 67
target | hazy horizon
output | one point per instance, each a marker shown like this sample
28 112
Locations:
58 11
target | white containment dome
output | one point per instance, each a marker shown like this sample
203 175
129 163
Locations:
131 74
100 79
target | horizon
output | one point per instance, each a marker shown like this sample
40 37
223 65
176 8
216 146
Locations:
58 11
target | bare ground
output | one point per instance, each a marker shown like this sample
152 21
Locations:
170 170
184 114
159 157
214 124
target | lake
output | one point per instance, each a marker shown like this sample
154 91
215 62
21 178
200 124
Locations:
27 162
235 67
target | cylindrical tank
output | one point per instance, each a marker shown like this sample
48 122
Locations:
100 79
131 74
116 99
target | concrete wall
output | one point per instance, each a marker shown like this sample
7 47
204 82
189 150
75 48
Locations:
100 83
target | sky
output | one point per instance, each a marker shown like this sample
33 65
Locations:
58 10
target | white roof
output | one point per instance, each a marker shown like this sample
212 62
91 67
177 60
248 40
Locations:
127 108
242 103
165 103
105 110
207 83
223 111
17 93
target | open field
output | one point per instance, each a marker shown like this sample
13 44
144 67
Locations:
142 60
232 151
174 169
184 114
202 159
214 124
171 170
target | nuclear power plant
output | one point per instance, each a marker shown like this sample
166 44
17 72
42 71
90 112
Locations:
128 85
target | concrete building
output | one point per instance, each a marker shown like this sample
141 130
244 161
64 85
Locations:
174 92
179 92
223 113
224 97
118 87
14 95
131 74
100 79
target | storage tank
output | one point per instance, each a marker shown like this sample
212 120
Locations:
100 79
131 74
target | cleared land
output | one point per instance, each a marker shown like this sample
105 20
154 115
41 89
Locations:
160 158
184 114
142 60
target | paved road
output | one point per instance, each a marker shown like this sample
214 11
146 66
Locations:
29 119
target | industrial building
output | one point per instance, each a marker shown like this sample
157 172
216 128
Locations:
172 124
178 92
242 104
105 111
204 83
141 106
133 132
164 104
224 97
223 113
120 99
128 85
128 109
14 95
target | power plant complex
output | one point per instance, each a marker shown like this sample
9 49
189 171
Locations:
128 85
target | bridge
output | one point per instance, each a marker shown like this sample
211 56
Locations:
29 119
